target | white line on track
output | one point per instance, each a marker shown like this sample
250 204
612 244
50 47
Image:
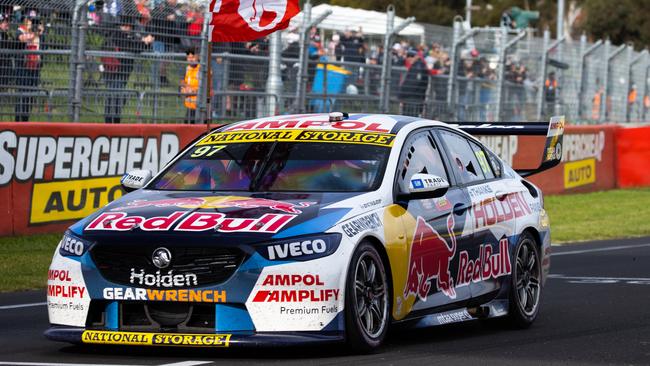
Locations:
6 307
182 363
619 247
586 278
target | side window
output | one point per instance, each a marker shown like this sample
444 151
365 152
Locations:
462 157
481 156
420 155
496 164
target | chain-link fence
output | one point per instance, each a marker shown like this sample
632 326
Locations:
149 61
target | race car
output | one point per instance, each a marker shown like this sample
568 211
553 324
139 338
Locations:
303 229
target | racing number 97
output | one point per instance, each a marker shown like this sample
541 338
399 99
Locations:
206 151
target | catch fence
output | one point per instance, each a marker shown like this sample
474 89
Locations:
126 62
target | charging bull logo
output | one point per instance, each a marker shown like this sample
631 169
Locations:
430 258
219 202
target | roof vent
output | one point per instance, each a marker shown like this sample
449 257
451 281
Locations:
338 116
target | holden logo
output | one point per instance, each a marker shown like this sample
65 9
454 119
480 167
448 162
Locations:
161 257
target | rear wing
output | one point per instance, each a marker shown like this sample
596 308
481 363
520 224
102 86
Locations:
554 131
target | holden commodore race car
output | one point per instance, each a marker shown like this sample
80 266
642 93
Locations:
309 228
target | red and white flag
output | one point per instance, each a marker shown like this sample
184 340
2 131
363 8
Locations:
248 20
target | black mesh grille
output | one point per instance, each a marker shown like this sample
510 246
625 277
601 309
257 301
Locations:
210 265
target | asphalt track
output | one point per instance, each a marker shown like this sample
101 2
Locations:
595 310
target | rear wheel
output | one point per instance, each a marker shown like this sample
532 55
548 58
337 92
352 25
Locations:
367 305
526 288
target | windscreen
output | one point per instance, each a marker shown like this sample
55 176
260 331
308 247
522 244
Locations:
277 166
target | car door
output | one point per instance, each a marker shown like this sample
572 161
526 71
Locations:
433 229
486 259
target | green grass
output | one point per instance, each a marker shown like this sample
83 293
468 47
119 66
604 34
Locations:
24 260
612 214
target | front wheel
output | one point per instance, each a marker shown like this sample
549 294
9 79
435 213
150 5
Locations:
526 288
367 305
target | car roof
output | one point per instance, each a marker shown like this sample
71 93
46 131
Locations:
363 122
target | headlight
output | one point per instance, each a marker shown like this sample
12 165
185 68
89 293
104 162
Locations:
73 246
301 248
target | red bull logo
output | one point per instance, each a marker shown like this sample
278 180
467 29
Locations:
429 260
219 202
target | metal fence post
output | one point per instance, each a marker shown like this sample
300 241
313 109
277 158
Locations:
603 103
453 61
503 39
646 74
303 59
74 45
542 75
387 62
202 97
628 64
274 80
584 53
582 49
301 87
81 63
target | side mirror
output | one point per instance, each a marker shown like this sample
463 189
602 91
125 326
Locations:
135 179
423 186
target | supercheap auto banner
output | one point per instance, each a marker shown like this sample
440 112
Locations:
52 174
588 158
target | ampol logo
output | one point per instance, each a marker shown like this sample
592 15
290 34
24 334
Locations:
430 258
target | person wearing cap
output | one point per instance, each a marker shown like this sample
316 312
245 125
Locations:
28 65
414 85
117 70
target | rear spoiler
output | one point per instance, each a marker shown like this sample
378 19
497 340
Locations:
554 131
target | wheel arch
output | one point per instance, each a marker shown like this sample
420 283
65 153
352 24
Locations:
538 239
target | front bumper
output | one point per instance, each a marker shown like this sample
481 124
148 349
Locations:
221 340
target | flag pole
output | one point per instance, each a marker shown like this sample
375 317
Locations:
208 106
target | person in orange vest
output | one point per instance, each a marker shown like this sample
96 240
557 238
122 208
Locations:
550 86
190 85
596 101
646 105
631 102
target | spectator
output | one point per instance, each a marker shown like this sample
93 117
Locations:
116 70
354 50
550 91
414 86
29 65
334 48
190 85
597 101
6 43
631 102
550 87
353 46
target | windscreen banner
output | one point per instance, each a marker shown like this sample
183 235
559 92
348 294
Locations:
52 174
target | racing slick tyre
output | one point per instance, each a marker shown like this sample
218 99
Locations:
526 288
367 305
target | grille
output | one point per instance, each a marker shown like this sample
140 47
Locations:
211 266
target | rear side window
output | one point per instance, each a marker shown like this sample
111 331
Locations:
482 158
420 155
463 159
496 164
